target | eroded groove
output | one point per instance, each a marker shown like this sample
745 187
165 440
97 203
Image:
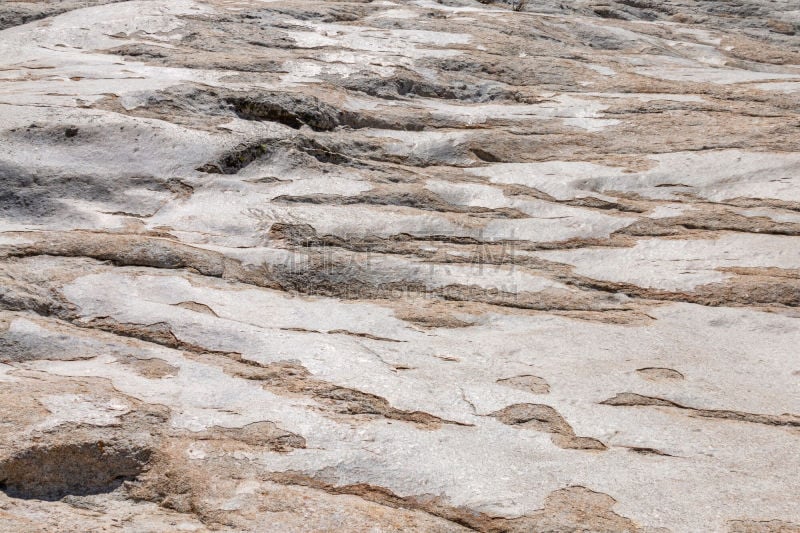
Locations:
647 451
261 435
296 110
134 250
417 199
329 278
407 84
362 335
528 383
762 526
659 374
574 508
629 399
281 377
321 277
747 291
293 110
544 418
754 287
306 235
121 249
713 221
293 378
241 156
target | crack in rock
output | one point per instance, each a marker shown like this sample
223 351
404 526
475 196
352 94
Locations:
629 399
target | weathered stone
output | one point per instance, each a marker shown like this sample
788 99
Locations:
497 266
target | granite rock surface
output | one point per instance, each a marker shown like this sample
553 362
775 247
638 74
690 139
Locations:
400 266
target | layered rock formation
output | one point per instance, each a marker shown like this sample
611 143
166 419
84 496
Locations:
400 266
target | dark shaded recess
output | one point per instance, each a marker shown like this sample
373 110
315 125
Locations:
233 161
297 110
293 110
52 472
606 13
26 196
483 155
397 87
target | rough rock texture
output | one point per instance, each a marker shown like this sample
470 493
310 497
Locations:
400 266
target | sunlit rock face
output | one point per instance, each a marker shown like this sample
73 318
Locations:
400 266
